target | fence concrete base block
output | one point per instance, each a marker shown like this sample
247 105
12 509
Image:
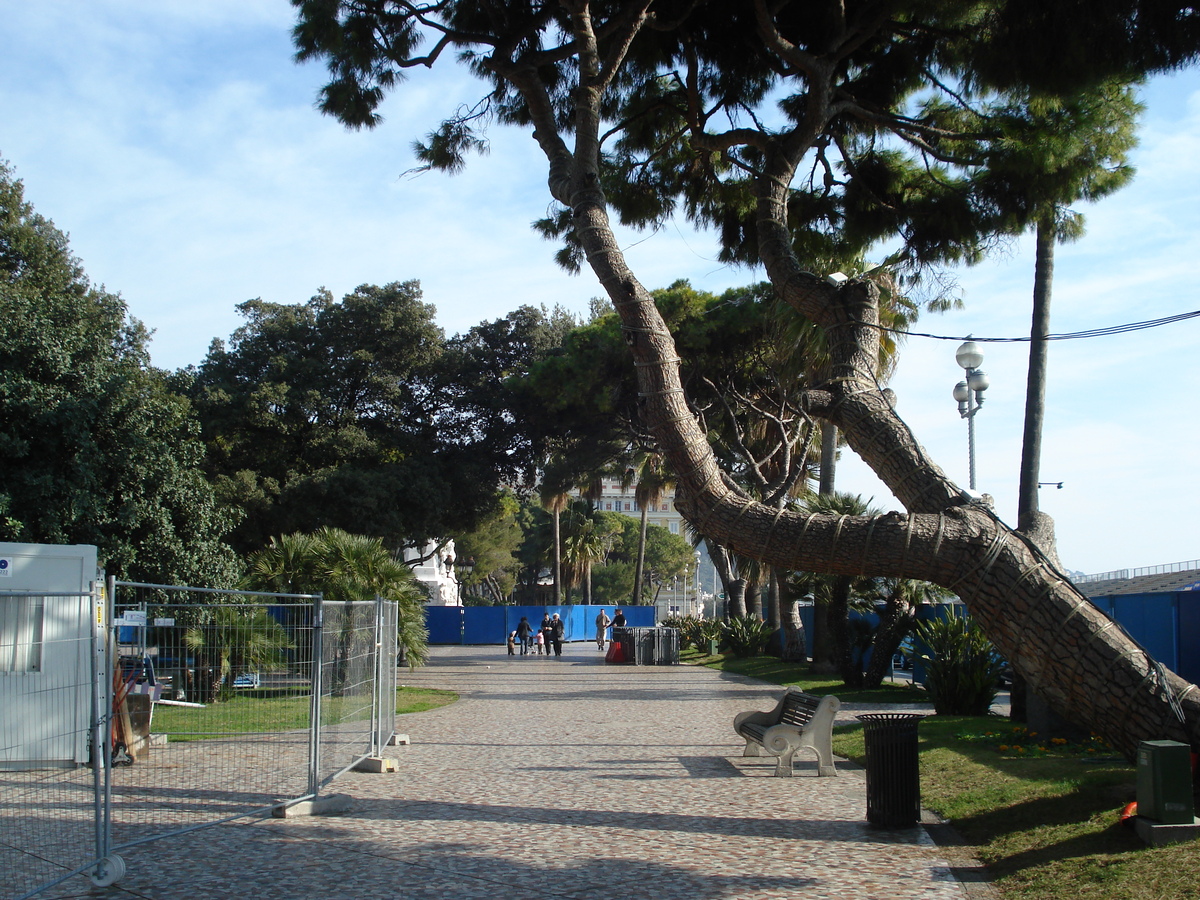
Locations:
378 764
158 740
320 806
1157 835
397 739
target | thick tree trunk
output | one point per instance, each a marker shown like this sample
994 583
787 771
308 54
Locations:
734 587
753 597
837 621
821 641
794 649
1035 387
557 558
641 559
895 622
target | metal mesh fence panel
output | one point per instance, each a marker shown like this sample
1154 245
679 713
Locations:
204 705
388 676
211 707
50 798
349 693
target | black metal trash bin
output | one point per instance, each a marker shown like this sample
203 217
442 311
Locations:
893 771
666 646
648 646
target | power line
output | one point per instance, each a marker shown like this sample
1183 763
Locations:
1069 336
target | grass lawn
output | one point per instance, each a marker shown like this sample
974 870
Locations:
261 711
776 671
1042 816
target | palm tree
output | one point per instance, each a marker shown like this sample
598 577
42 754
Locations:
229 639
587 541
652 483
555 500
346 568
901 598
1082 154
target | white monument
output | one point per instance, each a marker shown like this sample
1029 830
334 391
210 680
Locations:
433 566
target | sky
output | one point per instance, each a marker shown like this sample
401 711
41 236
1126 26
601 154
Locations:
177 143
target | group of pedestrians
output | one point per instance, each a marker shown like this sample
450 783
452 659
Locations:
602 623
548 638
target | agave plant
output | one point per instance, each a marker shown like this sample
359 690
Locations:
747 636
962 668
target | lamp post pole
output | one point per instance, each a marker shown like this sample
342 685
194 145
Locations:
969 394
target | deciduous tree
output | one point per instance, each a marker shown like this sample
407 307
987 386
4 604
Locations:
96 447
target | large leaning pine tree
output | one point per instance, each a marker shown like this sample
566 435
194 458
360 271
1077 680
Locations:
781 123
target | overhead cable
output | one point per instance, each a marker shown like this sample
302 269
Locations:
1069 336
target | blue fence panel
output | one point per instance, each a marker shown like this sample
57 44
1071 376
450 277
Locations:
492 624
485 625
1150 620
1187 604
445 624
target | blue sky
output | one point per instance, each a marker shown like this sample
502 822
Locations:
177 143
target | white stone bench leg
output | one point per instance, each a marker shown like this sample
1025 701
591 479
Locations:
784 768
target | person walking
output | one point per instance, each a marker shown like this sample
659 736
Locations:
524 630
546 631
602 623
557 629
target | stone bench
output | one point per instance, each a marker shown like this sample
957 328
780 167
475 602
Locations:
798 721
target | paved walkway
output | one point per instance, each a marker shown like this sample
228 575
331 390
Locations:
565 778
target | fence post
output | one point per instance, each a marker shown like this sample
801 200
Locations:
377 693
314 734
98 741
104 656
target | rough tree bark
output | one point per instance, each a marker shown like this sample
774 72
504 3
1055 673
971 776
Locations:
895 622
794 649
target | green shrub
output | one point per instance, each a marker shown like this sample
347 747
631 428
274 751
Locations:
710 630
689 630
746 636
962 668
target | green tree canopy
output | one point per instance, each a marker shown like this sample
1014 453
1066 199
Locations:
96 448
360 415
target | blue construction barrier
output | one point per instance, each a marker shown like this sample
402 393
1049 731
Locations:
493 624
1166 624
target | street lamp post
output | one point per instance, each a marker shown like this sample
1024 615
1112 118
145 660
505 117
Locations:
699 608
969 394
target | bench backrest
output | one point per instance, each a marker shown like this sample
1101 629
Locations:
798 709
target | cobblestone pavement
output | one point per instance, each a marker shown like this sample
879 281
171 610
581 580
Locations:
565 778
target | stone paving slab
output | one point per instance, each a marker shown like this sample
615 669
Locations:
563 778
